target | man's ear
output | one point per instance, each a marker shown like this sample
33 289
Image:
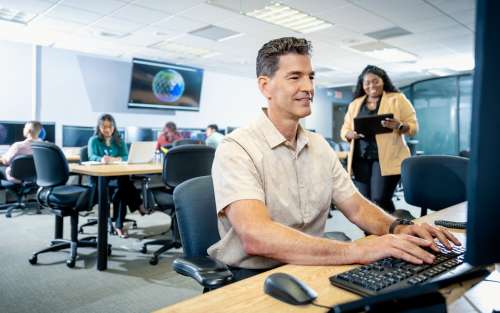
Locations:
263 82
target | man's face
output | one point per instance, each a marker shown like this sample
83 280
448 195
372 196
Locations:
27 130
290 91
208 131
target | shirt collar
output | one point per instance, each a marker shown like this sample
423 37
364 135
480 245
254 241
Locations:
273 136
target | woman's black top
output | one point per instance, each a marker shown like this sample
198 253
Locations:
366 148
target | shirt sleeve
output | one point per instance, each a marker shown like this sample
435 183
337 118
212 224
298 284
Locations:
11 153
93 150
235 176
343 187
408 115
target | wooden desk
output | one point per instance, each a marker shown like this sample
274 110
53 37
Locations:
248 295
72 154
103 171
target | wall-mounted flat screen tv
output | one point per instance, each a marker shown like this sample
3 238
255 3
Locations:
165 86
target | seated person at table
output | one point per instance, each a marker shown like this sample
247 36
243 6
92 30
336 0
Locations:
168 136
31 131
107 146
213 136
274 183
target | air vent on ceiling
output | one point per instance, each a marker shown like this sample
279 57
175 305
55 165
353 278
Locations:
371 46
388 33
215 33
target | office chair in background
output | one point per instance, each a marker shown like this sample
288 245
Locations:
112 186
197 224
180 164
64 200
434 182
23 169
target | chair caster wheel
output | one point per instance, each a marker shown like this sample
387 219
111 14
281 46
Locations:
177 245
8 215
70 263
134 226
80 231
109 250
33 260
144 250
153 261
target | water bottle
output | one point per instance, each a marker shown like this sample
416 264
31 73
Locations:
157 157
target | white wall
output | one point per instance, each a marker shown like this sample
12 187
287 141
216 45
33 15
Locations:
321 118
15 81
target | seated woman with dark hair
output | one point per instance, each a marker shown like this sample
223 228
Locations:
107 146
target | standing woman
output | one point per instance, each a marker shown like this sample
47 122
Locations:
107 146
375 161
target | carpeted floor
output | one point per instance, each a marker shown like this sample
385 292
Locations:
130 284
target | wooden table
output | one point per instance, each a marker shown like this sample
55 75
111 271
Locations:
248 295
101 172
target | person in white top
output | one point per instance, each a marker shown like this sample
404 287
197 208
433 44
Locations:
31 131
213 136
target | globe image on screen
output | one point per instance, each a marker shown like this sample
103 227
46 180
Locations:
42 134
168 85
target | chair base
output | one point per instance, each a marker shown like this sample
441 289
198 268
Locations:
20 205
60 244
166 245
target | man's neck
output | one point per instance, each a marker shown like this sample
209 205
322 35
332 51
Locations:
286 126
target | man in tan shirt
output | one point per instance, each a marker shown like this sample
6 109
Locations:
274 183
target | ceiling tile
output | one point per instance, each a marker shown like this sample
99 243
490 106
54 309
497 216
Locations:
55 24
73 14
117 25
169 6
179 24
450 6
398 11
97 6
208 13
355 18
140 14
316 6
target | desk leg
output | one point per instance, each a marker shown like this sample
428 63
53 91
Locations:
102 225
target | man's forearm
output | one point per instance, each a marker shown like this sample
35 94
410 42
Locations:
288 245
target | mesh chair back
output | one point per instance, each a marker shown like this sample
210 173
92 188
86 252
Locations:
196 215
50 163
84 154
182 142
23 168
188 161
434 181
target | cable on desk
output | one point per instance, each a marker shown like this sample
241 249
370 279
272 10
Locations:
321 306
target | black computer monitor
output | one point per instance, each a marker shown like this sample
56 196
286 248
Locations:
76 136
11 132
483 219
140 134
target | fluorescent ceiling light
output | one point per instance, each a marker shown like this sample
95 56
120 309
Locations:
284 16
15 16
182 50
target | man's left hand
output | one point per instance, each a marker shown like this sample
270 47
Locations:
429 232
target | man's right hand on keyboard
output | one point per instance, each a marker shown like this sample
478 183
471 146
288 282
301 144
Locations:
401 246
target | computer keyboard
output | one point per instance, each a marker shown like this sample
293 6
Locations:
390 273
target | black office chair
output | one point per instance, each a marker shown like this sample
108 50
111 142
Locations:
434 182
180 164
84 157
182 142
197 219
23 169
64 200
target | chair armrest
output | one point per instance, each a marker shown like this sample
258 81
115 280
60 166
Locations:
206 271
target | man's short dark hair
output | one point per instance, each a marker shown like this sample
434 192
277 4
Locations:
268 56
213 127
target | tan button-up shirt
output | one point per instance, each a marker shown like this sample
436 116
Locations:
297 185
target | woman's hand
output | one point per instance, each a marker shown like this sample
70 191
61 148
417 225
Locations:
353 135
392 123
106 159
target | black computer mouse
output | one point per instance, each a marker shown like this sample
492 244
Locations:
288 289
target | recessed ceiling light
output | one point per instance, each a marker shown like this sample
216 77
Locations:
15 16
388 33
293 19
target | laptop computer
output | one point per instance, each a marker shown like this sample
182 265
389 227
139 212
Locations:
140 152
